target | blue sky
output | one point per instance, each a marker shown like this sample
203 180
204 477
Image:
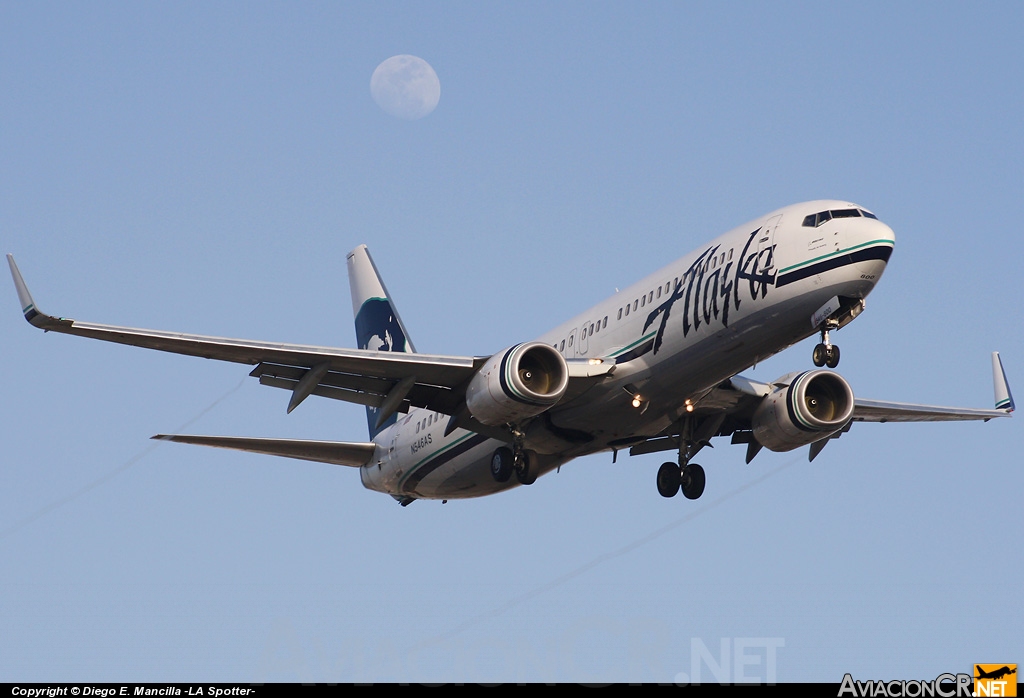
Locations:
206 169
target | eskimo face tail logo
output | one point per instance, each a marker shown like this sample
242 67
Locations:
377 329
708 294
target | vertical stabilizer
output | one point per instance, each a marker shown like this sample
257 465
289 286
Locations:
378 325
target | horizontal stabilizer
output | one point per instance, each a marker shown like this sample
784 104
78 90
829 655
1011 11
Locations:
333 452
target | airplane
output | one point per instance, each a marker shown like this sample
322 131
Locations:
995 674
654 368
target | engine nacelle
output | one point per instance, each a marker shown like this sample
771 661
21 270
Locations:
518 383
814 405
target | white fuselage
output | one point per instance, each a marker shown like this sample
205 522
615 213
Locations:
674 335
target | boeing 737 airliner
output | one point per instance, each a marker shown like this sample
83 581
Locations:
653 368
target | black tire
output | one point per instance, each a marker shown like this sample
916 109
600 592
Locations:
820 355
525 470
502 464
668 480
693 481
833 357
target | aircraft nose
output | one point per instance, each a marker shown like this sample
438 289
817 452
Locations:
872 245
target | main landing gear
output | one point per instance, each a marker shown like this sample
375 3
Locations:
826 353
506 461
682 476
688 478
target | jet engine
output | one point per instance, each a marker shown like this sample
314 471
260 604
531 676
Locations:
808 408
517 383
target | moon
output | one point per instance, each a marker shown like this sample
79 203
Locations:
405 86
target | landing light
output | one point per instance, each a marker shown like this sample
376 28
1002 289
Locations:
689 406
595 362
637 400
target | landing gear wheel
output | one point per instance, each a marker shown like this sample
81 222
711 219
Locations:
502 464
525 470
820 355
833 357
692 481
668 480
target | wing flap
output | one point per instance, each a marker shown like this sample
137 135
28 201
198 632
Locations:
332 452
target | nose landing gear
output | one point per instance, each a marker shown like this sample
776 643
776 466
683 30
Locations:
826 353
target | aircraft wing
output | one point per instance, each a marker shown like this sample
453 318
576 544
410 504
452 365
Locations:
333 452
355 375
391 381
728 408
739 393
879 411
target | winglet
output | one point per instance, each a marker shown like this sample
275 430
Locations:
1004 399
28 306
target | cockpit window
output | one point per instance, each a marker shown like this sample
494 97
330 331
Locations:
816 219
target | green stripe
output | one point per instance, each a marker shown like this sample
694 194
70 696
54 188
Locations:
512 386
833 254
1001 405
796 409
372 298
626 348
27 308
432 455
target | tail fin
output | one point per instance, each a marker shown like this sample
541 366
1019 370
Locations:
378 326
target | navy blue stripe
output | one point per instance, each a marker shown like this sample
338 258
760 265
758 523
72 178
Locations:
504 384
792 408
881 252
431 466
31 314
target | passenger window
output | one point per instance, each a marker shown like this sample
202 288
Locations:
605 323
730 254
650 297
634 304
643 300
659 291
620 314
591 328
627 310
562 348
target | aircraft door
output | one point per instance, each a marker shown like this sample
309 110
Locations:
584 341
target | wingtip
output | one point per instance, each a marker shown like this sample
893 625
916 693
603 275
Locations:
28 306
1003 396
